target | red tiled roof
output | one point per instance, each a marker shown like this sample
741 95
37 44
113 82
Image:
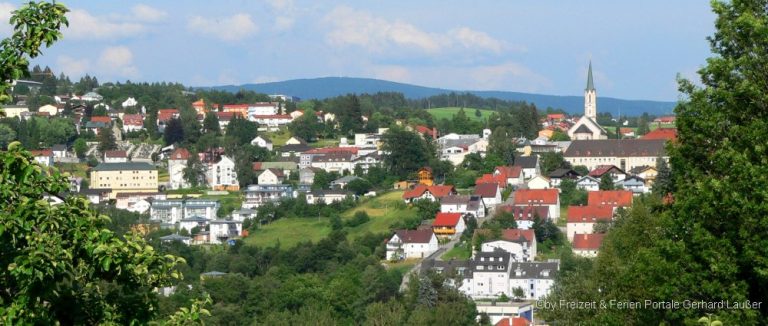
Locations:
415 236
490 178
256 166
624 131
536 196
526 213
422 129
436 191
180 154
277 172
662 133
513 321
579 214
42 152
509 171
199 102
225 116
602 169
166 114
587 241
487 190
555 116
133 119
101 118
447 219
610 197
115 154
516 234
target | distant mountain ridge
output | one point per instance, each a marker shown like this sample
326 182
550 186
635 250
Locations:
325 87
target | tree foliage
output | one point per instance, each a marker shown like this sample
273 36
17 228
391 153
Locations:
407 152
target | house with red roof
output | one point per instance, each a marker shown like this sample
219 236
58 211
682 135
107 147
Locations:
102 119
448 224
503 176
177 162
669 134
115 156
164 116
525 216
587 245
426 131
411 244
556 117
549 198
582 219
133 122
514 321
520 243
627 132
224 119
489 192
44 157
236 109
615 198
670 119
616 174
433 193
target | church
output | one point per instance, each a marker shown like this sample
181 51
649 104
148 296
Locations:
587 127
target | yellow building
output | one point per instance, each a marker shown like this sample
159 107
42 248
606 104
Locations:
124 177
425 176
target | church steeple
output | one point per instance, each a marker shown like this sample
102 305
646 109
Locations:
590 96
590 83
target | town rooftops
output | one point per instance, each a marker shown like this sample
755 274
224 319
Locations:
436 191
133 120
487 190
536 196
662 133
331 150
587 241
598 171
589 214
166 114
621 198
511 171
526 213
518 235
175 237
415 236
616 147
129 166
447 219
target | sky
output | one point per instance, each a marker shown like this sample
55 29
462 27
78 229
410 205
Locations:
637 48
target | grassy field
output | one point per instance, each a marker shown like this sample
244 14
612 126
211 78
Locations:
401 266
460 251
449 112
382 210
279 137
75 169
328 143
563 220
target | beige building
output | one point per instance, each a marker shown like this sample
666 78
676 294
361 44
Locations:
626 154
124 177
14 111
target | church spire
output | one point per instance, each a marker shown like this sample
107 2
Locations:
590 84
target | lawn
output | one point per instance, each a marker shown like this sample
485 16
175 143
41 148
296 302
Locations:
75 169
459 251
328 143
290 231
383 211
163 176
563 220
449 112
279 137
401 266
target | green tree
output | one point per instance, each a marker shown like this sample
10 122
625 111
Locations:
106 140
80 147
60 264
174 132
551 161
500 145
211 123
606 182
559 136
242 130
664 183
306 126
7 135
642 124
194 172
478 113
407 151
426 209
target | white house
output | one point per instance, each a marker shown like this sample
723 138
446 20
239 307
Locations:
411 244
52 110
549 198
587 245
626 154
242 214
271 177
529 165
171 211
43 157
588 183
490 275
222 230
132 122
539 182
582 219
466 205
130 102
489 192
263 142
525 216
193 222
177 162
535 278
326 196
222 175
115 157
264 108
518 242
257 195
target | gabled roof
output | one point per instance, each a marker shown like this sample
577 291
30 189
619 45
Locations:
518 235
415 236
526 213
101 118
180 154
332 150
42 152
526 162
446 219
513 321
589 214
166 114
298 148
277 172
490 178
438 191
603 169
225 116
536 196
562 173
616 147
610 197
455 200
641 169
583 129
587 241
487 190
513 171
59 148
662 133
133 119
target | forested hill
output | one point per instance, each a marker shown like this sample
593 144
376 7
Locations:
321 88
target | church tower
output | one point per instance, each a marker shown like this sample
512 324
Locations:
590 96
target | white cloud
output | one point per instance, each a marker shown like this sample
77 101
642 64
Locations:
232 28
5 16
361 28
142 12
83 25
118 61
72 67
470 38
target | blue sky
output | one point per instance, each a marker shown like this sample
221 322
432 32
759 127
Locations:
637 47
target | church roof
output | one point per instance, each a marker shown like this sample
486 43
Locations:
590 83
583 129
